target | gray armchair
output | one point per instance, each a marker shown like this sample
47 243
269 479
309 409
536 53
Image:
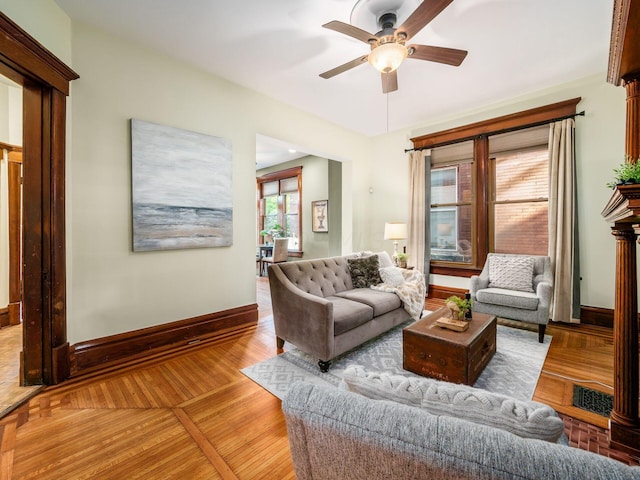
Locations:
517 287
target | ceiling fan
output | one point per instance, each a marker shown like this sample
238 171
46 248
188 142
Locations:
388 48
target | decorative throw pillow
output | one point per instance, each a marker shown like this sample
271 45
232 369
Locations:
391 276
384 259
511 273
526 419
364 271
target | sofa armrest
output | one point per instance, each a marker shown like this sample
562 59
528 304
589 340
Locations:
543 292
299 317
477 282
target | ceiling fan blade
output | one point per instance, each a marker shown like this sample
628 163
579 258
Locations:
343 68
421 16
450 56
350 30
389 81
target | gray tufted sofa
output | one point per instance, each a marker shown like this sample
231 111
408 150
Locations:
316 308
337 434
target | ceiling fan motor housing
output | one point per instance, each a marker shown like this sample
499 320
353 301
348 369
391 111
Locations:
387 20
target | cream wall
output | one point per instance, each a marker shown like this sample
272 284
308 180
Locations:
114 290
10 133
315 186
45 21
110 289
599 148
4 199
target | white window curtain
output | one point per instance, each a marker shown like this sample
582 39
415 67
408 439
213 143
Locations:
563 249
419 206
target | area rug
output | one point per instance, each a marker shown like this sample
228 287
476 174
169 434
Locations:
513 370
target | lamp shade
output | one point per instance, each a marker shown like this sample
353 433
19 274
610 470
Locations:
387 57
395 231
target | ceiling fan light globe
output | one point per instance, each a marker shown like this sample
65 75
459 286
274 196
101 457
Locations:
387 57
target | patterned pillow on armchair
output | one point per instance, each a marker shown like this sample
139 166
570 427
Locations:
511 273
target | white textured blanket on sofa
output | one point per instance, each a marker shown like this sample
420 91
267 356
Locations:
412 291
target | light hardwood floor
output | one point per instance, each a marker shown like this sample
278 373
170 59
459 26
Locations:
192 414
11 393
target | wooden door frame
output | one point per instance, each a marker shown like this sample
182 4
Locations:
14 171
45 82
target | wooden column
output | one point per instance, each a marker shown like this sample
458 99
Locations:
625 404
632 138
624 422
623 211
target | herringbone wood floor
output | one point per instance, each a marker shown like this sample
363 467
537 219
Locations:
192 414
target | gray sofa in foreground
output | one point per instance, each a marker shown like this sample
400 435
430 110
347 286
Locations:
317 309
336 434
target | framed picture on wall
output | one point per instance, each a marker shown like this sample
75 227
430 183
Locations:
320 215
182 189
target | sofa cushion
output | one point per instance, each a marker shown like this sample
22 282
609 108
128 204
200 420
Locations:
322 277
511 272
364 271
348 314
391 276
508 298
526 419
381 302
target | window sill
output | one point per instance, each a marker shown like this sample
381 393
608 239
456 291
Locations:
454 270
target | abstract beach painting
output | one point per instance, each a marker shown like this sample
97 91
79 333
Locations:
182 188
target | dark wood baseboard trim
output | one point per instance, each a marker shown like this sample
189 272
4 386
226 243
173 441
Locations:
4 317
600 317
60 367
106 351
14 313
437 291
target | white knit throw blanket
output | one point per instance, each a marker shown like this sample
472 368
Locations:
412 292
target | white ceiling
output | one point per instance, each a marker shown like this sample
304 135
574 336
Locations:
278 48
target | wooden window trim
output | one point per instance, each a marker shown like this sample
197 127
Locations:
479 132
277 176
494 126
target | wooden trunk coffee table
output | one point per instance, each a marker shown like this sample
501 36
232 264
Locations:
459 357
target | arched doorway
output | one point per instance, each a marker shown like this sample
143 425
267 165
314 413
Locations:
45 81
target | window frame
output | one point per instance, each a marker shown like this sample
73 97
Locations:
282 213
480 132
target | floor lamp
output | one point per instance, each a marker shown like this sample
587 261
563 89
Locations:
395 231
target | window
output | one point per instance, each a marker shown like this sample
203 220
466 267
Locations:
518 212
489 188
451 212
279 212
